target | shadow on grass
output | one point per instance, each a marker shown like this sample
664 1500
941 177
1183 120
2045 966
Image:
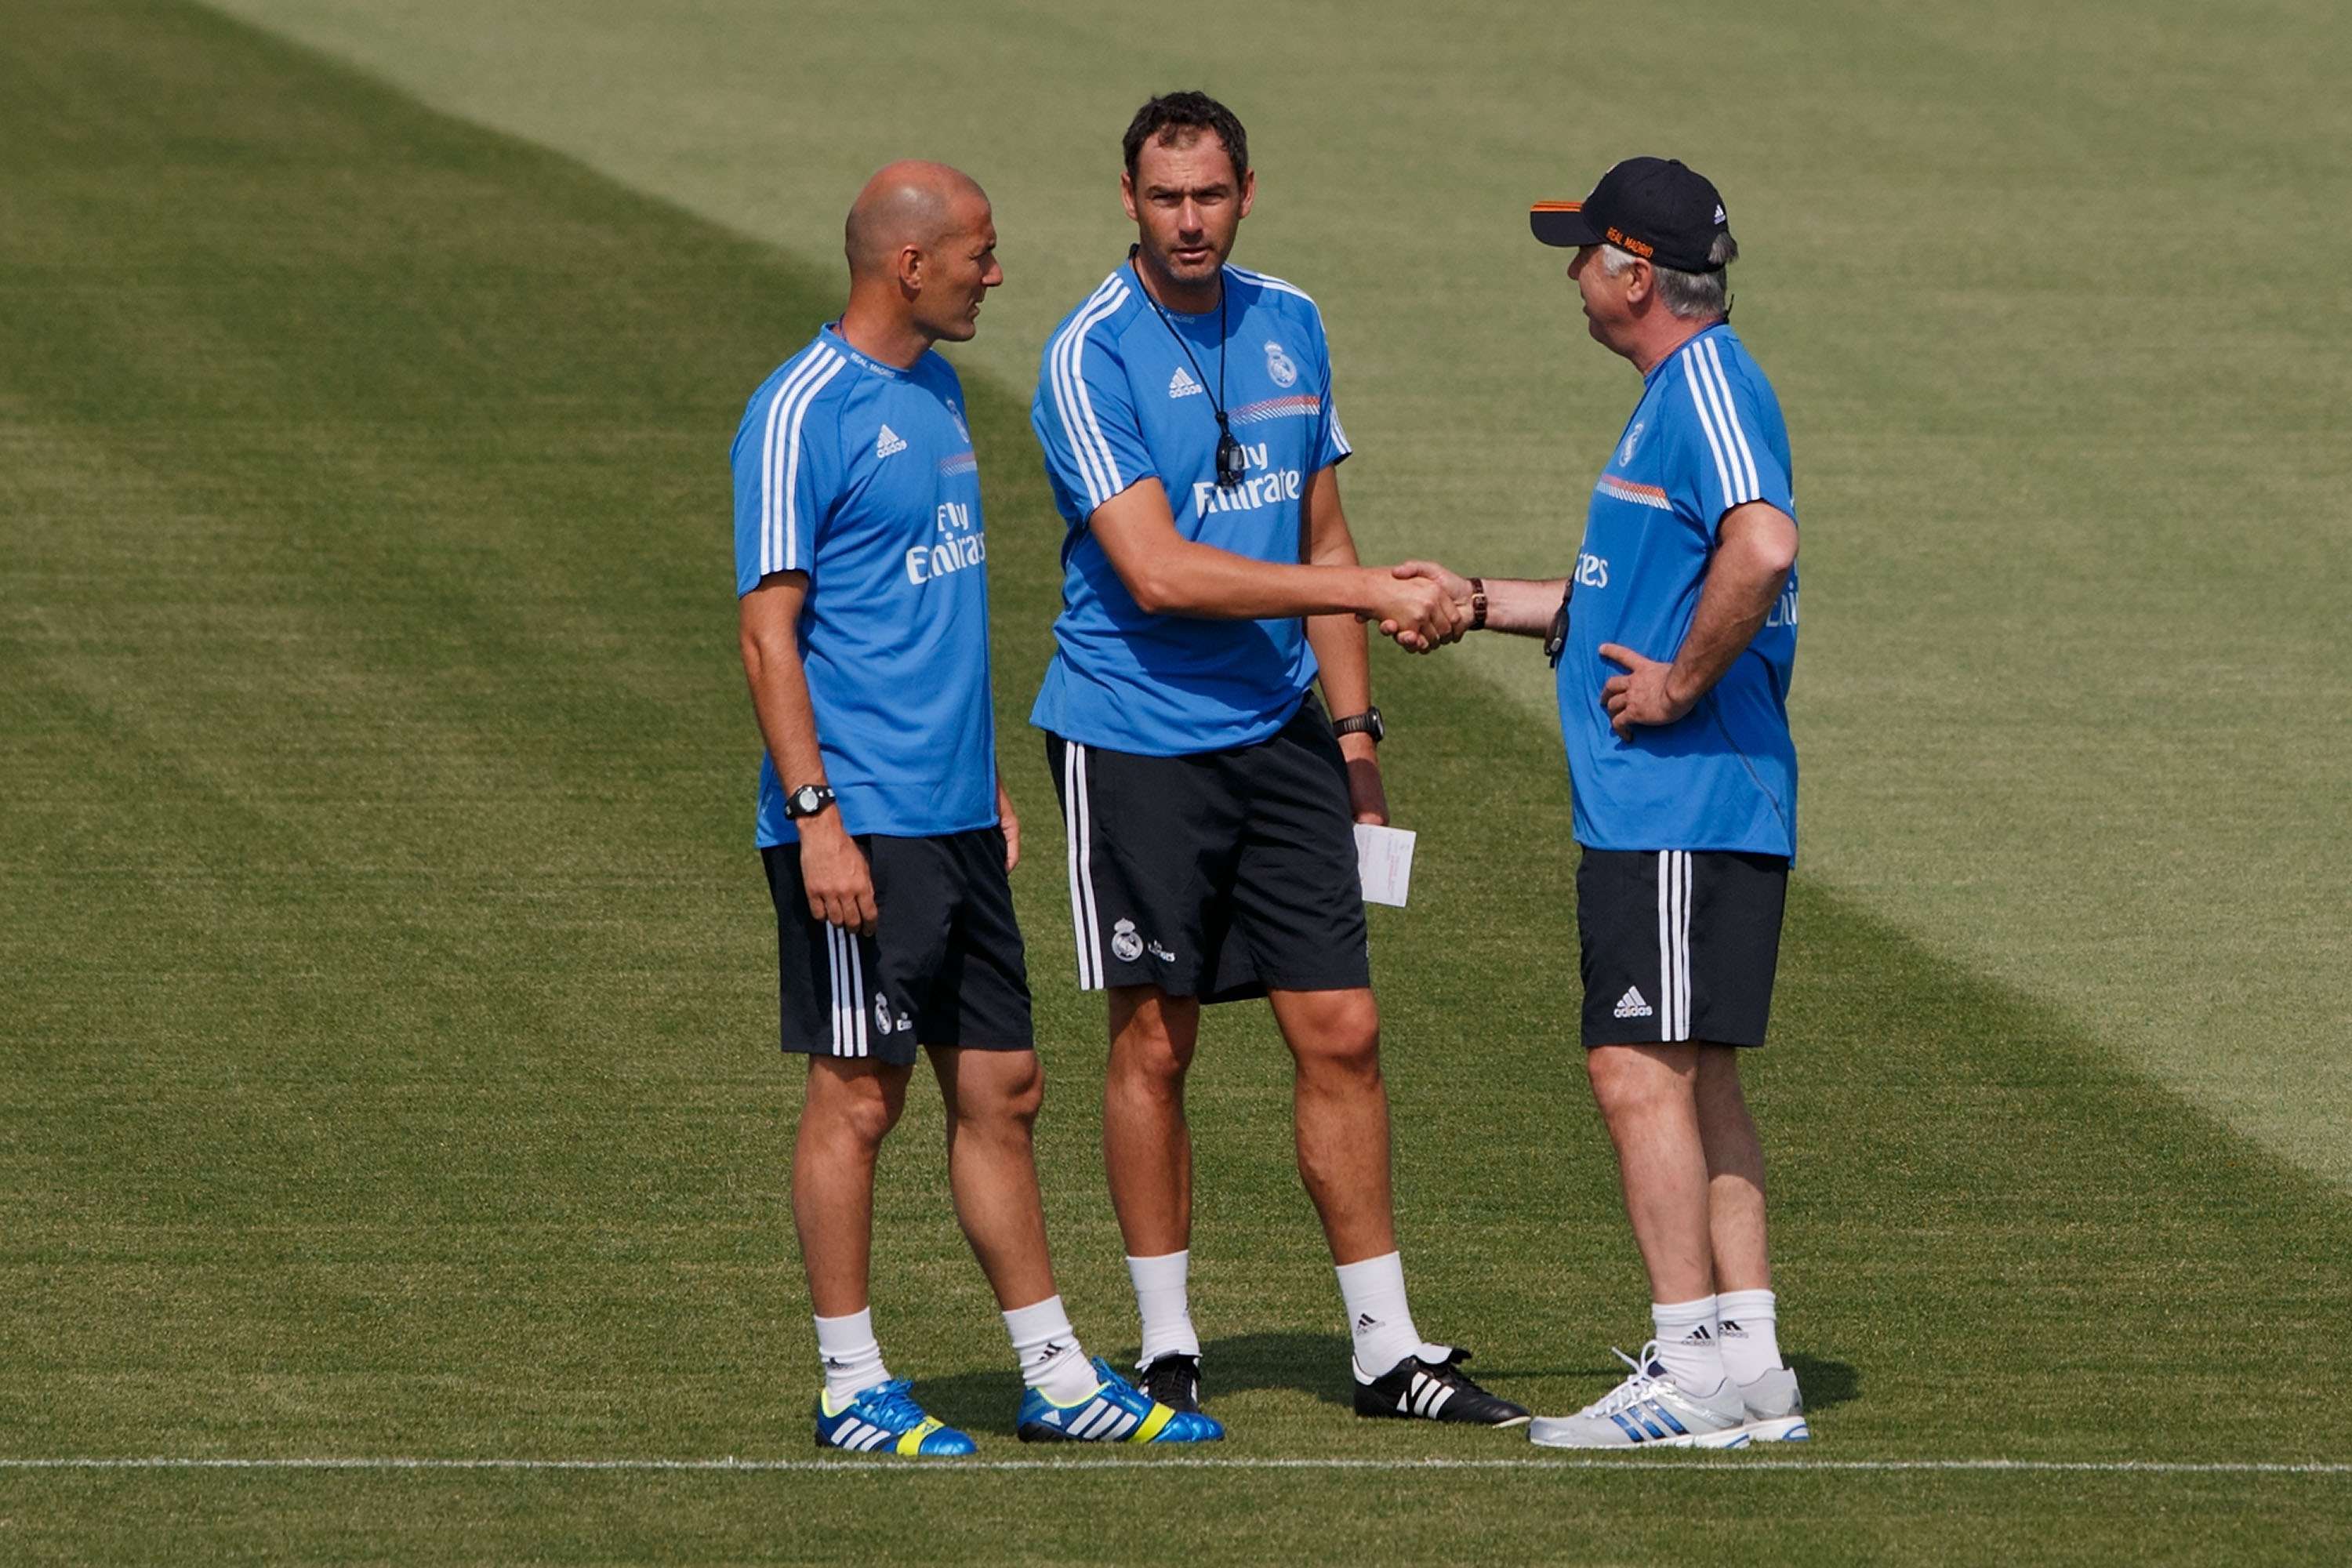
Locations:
1826 1383
1303 1363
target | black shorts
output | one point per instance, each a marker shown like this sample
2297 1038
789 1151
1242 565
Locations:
1679 944
1219 876
943 967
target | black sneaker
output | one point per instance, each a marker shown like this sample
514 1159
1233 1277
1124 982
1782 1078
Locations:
1174 1379
1435 1391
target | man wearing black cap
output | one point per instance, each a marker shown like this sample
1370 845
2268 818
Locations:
1673 638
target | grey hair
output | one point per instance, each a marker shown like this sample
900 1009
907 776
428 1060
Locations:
1691 296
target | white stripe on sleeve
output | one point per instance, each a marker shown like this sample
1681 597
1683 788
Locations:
1731 419
790 557
1736 490
1071 404
1698 401
772 461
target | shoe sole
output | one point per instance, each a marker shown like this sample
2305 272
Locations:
889 1451
1550 1433
1033 1432
1441 1420
1780 1429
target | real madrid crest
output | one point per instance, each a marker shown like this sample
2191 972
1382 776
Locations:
1278 365
1125 944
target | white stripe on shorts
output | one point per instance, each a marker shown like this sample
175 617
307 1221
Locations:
1673 944
1077 824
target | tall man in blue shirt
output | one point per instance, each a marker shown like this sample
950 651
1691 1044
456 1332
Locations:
1185 412
1674 638
861 573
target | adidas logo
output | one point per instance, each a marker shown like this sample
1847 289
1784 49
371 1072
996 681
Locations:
1732 1330
1719 212
1698 1336
1630 1004
1181 384
887 443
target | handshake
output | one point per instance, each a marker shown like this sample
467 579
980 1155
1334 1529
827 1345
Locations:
1419 603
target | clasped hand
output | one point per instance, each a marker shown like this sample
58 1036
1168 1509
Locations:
1423 605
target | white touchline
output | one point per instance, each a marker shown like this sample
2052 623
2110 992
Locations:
1710 1464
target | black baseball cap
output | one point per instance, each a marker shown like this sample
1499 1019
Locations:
1660 209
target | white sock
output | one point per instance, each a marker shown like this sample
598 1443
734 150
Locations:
1052 1359
1160 1298
853 1360
1379 1319
1687 1344
1749 1330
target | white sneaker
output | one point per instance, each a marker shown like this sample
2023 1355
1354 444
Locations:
1648 1411
1775 1411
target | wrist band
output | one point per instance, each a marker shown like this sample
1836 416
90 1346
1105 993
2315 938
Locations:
1478 603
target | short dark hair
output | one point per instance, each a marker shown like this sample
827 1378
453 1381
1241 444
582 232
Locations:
1166 118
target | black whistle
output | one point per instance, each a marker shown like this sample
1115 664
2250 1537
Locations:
1230 458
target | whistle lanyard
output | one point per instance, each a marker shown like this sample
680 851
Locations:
1229 460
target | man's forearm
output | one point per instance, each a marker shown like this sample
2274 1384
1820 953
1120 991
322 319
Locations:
1203 580
779 698
1740 594
779 695
1522 606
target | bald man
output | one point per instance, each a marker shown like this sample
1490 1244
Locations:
861 574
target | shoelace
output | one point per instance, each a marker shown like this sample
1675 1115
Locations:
1630 1392
894 1402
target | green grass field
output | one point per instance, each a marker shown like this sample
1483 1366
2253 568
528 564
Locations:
384 969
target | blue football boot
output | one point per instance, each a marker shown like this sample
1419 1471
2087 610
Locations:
1116 1412
885 1420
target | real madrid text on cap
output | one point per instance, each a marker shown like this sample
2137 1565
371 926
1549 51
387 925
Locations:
1657 208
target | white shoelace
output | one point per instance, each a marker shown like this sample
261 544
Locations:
1636 1387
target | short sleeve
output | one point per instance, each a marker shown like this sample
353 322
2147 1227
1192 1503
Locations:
1331 440
1729 458
1085 415
788 471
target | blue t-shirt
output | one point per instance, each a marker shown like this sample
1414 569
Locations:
862 475
1119 401
1707 437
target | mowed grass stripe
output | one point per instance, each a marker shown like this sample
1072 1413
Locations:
1792 1461
387 1011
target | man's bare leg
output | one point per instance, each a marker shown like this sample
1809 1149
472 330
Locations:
1340 1111
849 1107
1148 1156
1147 1147
993 1098
1747 1310
1735 1174
1648 1096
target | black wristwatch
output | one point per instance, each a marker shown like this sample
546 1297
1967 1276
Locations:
807 801
1368 722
